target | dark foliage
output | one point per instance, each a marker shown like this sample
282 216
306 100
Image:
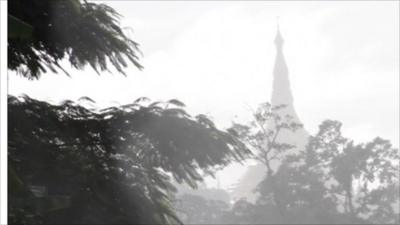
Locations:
70 165
44 32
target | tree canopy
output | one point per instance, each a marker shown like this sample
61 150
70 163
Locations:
115 165
72 164
331 181
44 32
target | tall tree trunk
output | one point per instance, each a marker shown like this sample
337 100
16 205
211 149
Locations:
350 202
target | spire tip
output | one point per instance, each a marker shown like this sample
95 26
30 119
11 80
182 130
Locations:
277 23
278 38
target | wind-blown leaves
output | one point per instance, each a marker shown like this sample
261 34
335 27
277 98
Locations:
176 102
84 33
113 164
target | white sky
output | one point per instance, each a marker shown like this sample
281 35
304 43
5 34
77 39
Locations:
217 58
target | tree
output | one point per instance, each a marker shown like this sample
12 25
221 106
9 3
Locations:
113 166
261 136
44 32
331 180
365 176
335 181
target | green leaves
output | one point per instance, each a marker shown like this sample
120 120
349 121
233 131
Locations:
84 33
116 164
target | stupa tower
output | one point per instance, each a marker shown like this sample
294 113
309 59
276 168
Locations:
281 95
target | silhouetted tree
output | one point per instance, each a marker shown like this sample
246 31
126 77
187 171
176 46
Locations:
44 32
363 178
331 181
71 165
261 136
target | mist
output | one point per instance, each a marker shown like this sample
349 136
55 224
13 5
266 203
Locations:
206 113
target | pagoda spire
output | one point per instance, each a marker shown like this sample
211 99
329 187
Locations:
281 91
281 95
278 38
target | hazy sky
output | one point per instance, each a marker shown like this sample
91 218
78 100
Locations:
217 58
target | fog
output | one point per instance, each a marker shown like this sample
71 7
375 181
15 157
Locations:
298 105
